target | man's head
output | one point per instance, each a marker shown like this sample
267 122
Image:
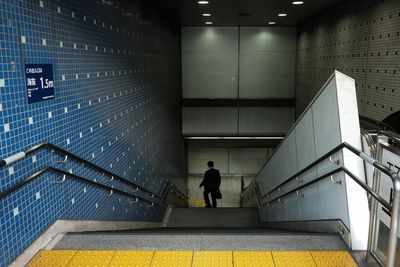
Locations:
210 164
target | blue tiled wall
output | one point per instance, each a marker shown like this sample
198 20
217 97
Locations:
117 104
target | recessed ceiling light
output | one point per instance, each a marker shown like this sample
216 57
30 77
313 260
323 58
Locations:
297 2
282 15
209 22
271 22
203 2
206 15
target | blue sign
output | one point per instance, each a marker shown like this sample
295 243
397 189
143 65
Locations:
39 82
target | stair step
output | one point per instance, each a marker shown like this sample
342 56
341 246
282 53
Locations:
220 217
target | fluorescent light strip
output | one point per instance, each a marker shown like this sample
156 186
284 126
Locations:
297 2
203 2
234 137
208 22
206 15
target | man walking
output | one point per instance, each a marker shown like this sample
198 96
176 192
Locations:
211 183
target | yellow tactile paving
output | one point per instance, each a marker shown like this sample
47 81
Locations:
333 259
54 258
172 259
293 259
124 258
253 259
132 259
92 258
212 258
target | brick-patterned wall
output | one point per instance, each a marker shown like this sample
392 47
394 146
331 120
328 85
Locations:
361 39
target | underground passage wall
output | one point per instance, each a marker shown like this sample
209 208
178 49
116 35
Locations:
361 39
117 104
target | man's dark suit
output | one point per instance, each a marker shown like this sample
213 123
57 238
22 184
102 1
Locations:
211 183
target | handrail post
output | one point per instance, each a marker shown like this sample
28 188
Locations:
394 224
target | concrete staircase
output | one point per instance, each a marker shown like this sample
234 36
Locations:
213 218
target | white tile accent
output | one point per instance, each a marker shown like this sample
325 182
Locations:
68 141
88 75
92 155
61 44
30 120
79 106
98 74
41 4
84 18
80 135
63 77
77 76
34 159
102 149
95 48
84 190
2 84
74 45
113 208
23 39
73 201
86 47
37 195
11 170
44 42
6 127
101 124
90 102
94 22
65 110
16 211
73 14
50 115
91 129
58 9
97 205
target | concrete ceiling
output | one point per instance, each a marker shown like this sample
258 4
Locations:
245 12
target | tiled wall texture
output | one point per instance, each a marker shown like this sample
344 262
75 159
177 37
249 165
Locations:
117 104
361 39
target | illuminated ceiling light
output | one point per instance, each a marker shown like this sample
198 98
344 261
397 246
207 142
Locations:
203 2
209 22
271 22
297 2
206 15
282 15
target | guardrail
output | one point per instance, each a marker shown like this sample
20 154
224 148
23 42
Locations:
393 208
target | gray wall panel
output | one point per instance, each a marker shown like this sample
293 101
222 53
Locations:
209 62
267 63
210 86
209 38
268 39
265 120
266 86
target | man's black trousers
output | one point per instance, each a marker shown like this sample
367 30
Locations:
207 200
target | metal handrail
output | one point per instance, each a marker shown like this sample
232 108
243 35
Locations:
394 208
370 142
65 174
330 174
67 154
